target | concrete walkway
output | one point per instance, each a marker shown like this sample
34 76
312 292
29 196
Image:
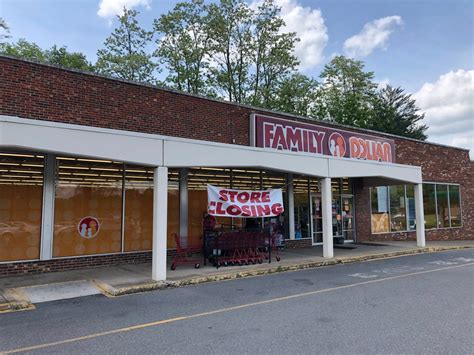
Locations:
130 278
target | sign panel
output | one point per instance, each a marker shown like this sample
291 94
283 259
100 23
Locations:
88 227
244 203
281 134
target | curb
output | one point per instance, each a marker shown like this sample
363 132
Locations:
15 301
111 291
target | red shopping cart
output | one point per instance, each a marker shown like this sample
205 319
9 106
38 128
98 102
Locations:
185 255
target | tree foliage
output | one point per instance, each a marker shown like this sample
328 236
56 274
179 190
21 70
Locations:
239 53
4 30
396 112
231 37
55 55
183 46
348 91
272 55
125 53
299 95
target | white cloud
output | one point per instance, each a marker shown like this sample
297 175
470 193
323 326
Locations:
110 8
308 23
374 34
449 107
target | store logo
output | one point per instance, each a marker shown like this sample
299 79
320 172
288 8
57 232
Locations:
88 227
337 145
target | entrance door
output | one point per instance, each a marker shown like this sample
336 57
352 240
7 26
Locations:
342 218
347 203
316 220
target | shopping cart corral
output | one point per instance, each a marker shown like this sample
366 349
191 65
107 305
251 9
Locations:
239 247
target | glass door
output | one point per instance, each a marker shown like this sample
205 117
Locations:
336 216
348 218
342 218
316 219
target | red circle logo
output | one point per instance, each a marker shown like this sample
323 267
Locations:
88 227
337 145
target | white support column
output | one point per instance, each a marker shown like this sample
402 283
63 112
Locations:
291 207
420 216
47 219
326 209
183 207
160 218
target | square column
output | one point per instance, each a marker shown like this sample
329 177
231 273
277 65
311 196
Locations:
183 207
420 216
291 207
326 213
160 219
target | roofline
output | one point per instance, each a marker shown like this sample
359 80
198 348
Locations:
286 114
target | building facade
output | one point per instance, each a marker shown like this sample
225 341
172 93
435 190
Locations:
97 171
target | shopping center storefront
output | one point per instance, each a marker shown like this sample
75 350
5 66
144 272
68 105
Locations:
89 179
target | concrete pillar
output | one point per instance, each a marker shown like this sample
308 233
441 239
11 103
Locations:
326 212
183 207
420 216
291 207
160 219
47 219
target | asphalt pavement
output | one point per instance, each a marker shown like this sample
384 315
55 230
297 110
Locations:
416 304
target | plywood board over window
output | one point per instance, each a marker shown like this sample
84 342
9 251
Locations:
21 192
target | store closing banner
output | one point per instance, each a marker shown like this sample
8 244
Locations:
244 203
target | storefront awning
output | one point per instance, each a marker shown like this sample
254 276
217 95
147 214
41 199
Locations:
158 150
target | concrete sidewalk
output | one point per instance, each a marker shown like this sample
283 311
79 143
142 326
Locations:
20 291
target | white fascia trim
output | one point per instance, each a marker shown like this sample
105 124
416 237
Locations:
159 150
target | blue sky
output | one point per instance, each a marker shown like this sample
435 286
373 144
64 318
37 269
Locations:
426 47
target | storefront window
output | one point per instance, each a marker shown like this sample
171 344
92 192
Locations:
411 207
380 208
442 205
138 227
429 205
21 192
302 224
276 180
398 218
197 199
455 205
88 207
316 211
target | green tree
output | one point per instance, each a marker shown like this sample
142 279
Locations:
23 49
125 54
60 56
184 46
349 91
55 55
231 48
396 112
4 30
272 53
300 95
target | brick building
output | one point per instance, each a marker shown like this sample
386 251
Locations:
97 171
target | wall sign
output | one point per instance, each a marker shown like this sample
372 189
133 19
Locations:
281 134
244 203
88 227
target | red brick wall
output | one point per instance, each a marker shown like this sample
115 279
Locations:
43 92
37 267
439 164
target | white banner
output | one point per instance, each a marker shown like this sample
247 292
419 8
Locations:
244 203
